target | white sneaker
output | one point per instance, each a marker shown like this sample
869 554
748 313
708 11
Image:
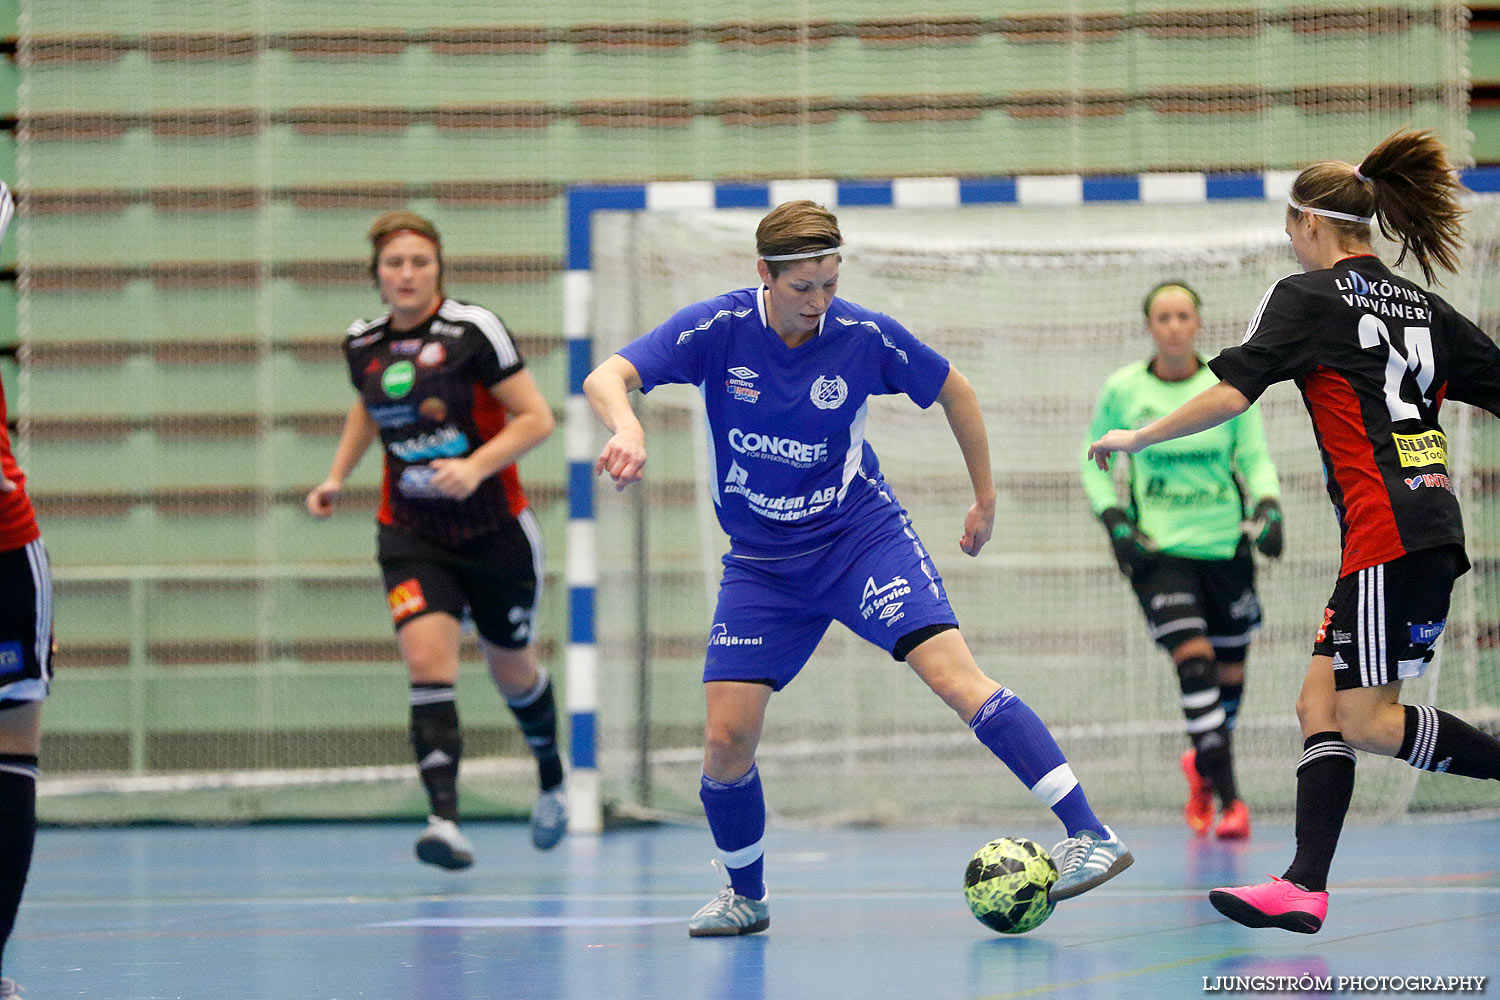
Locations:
443 845
729 914
1086 861
9 988
549 818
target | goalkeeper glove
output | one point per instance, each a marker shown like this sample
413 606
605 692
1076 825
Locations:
1267 522
1132 549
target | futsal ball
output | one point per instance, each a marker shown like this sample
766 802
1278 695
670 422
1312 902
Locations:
1006 884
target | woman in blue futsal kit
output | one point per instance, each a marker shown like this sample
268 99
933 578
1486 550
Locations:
817 535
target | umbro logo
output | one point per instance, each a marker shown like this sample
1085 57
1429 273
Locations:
435 759
740 371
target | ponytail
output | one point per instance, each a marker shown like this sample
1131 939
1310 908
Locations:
1407 185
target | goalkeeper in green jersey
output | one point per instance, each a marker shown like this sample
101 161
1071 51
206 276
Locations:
1181 540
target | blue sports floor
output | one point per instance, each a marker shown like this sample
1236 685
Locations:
343 911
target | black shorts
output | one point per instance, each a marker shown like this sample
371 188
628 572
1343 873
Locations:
1382 622
25 625
1191 598
495 578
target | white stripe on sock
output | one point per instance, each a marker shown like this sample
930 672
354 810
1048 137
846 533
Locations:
1200 699
1055 785
743 856
1211 720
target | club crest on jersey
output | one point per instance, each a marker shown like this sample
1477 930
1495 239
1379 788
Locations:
829 393
431 355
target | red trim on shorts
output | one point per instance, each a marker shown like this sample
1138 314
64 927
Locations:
1371 536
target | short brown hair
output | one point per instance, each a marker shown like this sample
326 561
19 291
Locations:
796 227
1407 185
389 224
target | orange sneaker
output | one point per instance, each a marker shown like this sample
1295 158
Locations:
1235 823
1199 810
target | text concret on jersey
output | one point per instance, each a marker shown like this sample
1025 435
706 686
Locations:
802 454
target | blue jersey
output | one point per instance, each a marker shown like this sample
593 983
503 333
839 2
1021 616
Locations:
790 463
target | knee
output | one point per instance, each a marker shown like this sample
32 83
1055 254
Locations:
953 676
428 662
1231 673
1196 674
1373 731
946 681
1314 716
724 740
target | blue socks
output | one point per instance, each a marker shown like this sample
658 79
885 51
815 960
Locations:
737 816
1013 732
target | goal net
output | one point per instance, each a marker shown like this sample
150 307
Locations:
1036 305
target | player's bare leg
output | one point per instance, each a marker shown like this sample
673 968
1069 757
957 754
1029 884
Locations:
736 809
1092 854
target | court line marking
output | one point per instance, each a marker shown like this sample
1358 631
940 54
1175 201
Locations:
807 895
530 922
1459 918
1122 974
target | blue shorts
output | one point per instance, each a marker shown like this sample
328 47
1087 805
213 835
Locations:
877 579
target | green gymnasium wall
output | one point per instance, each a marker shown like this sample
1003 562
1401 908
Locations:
197 176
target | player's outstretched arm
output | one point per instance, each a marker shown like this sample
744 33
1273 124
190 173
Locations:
967 421
360 430
608 388
1209 408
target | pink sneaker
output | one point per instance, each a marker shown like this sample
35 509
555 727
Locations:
1277 903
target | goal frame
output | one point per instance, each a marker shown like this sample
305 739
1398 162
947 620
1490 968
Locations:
583 200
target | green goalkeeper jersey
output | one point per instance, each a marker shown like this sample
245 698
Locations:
1185 495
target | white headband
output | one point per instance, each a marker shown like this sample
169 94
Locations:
800 256
1366 219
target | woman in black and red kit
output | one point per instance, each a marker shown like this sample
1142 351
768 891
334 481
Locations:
1375 356
441 383
25 667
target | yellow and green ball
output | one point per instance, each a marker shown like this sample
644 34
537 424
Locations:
1006 884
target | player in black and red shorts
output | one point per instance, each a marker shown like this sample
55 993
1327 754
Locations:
25 667
442 385
1374 356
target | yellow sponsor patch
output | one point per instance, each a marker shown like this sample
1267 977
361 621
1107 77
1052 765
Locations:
1419 450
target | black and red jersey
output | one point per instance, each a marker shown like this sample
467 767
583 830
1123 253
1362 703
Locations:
428 389
17 520
1374 356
